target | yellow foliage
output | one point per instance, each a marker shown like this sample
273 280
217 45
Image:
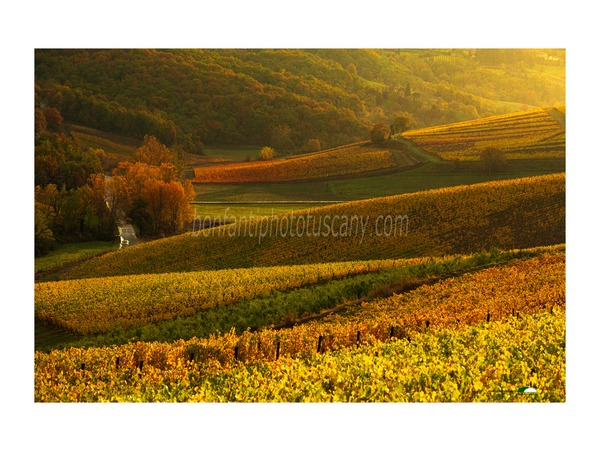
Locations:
458 357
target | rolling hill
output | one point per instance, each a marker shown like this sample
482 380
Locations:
522 135
507 214
257 96
432 275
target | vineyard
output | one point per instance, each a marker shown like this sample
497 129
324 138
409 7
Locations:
519 213
523 135
102 304
208 300
476 337
347 160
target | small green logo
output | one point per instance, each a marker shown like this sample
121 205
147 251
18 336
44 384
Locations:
527 390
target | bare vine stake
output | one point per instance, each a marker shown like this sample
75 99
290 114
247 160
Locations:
358 338
319 344
277 354
488 316
236 352
117 363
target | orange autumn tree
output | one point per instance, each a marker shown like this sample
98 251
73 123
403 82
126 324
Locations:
137 173
157 201
167 205
154 153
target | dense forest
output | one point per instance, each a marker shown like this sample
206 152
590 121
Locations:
284 98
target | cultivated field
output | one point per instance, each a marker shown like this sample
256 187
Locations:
342 161
523 135
507 214
445 341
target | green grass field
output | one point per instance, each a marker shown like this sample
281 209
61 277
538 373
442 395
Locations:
70 253
235 153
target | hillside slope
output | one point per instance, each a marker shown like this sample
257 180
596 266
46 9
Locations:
340 161
258 96
522 135
518 213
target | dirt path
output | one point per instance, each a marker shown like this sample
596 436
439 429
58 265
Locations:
417 152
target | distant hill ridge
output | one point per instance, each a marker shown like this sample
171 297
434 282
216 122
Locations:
287 96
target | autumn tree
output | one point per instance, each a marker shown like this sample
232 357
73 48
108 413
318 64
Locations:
54 119
281 138
154 153
313 145
98 203
137 173
53 199
178 210
197 148
153 194
43 236
76 211
61 160
400 123
167 205
40 122
266 154
118 197
380 132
